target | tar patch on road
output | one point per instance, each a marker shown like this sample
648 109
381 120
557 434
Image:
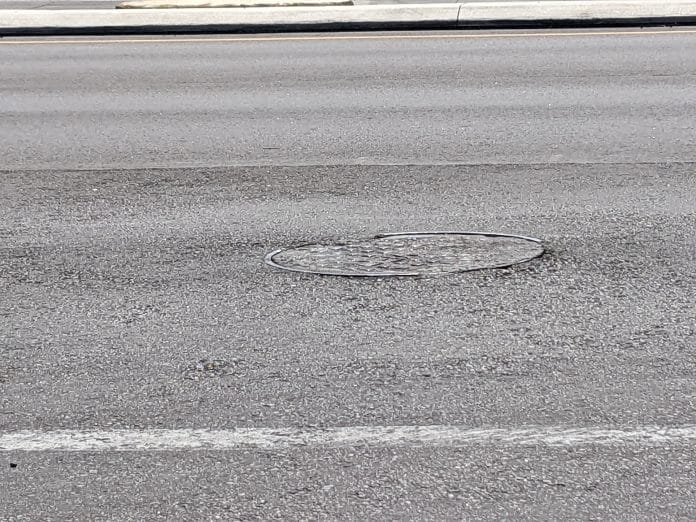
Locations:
409 254
206 368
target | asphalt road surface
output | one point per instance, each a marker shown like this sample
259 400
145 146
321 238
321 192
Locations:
143 182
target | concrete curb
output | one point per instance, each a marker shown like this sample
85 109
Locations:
404 16
577 13
233 20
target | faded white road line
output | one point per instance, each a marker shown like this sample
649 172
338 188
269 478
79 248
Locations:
380 436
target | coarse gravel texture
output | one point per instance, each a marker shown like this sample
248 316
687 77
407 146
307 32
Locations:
116 283
472 483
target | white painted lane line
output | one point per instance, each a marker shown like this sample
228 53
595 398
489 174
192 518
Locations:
379 436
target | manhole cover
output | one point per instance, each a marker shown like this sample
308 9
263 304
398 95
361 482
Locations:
409 254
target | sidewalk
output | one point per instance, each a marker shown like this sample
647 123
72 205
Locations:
111 4
365 15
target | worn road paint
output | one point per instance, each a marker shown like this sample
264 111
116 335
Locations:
379 436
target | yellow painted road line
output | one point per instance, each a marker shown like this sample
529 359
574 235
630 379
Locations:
309 38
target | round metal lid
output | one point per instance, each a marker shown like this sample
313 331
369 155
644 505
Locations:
409 254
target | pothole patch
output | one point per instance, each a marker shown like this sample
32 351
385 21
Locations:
205 368
410 254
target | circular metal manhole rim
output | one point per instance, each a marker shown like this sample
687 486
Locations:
269 257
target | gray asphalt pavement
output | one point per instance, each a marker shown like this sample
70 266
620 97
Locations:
504 100
143 183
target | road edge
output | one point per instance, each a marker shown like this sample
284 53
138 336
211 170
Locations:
29 22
